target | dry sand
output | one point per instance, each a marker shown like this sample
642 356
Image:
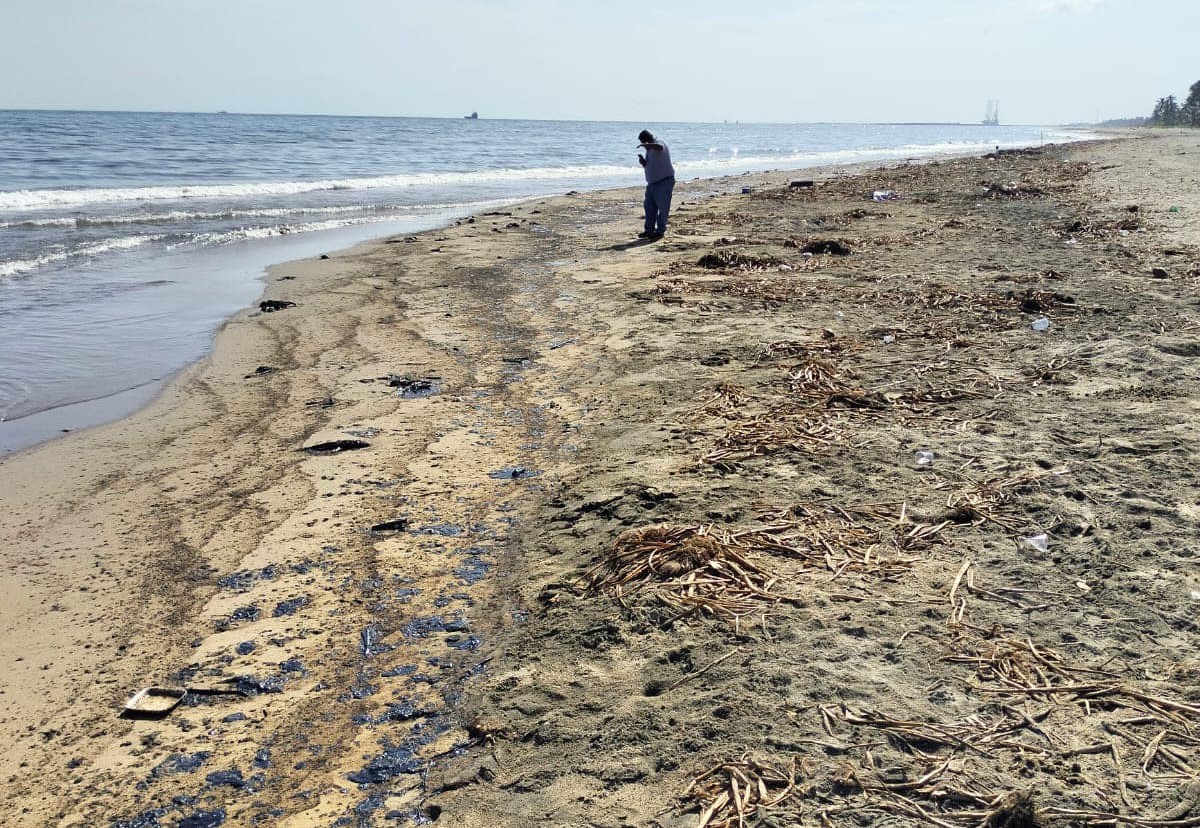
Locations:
803 623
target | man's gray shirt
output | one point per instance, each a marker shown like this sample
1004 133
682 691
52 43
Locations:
658 163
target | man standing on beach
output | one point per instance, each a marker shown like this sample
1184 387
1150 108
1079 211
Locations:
660 182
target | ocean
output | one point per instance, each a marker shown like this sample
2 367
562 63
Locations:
127 238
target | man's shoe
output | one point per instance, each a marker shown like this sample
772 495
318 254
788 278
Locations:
645 235
655 236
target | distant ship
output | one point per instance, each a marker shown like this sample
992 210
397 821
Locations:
993 114
474 116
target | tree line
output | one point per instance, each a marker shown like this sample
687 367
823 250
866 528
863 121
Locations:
1170 112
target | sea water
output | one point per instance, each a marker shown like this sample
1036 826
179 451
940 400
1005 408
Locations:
127 238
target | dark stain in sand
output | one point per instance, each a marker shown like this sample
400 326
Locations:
146 819
248 613
472 570
412 388
448 530
513 473
203 819
251 686
369 641
397 760
289 606
180 763
227 778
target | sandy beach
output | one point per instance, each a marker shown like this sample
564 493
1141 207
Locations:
793 517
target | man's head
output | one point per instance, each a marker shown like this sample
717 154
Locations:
646 136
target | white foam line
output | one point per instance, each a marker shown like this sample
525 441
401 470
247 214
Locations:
19 266
227 215
43 199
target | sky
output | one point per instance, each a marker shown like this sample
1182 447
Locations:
1046 61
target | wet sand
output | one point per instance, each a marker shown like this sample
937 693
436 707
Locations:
431 624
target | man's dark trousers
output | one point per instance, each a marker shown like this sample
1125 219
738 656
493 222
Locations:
658 205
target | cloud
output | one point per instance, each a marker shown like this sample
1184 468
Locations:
1067 6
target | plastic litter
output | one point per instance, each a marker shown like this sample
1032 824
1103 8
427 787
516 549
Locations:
923 457
1040 324
839 315
884 195
889 339
1039 542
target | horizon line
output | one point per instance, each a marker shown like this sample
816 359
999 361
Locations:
233 113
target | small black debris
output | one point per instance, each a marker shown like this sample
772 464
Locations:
1159 273
397 525
513 473
414 387
335 446
250 686
259 371
272 305
802 183
830 246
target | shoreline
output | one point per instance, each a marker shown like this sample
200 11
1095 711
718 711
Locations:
562 349
33 429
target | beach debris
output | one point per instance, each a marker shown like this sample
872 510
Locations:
272 305
801 183
335 447
690 569
737 793
513 473
1013 189
397 525
923 457
747 190
1159 273
884 195
1040 541
831 247
414 387
259 371
153 702
1040 324
729 259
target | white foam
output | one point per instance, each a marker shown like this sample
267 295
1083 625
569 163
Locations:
45 199
19 266
177 216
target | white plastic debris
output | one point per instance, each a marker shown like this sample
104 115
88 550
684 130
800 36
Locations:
924 457
1039 542
889 339
1040 324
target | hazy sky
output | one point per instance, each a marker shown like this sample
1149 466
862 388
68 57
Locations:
1047 61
